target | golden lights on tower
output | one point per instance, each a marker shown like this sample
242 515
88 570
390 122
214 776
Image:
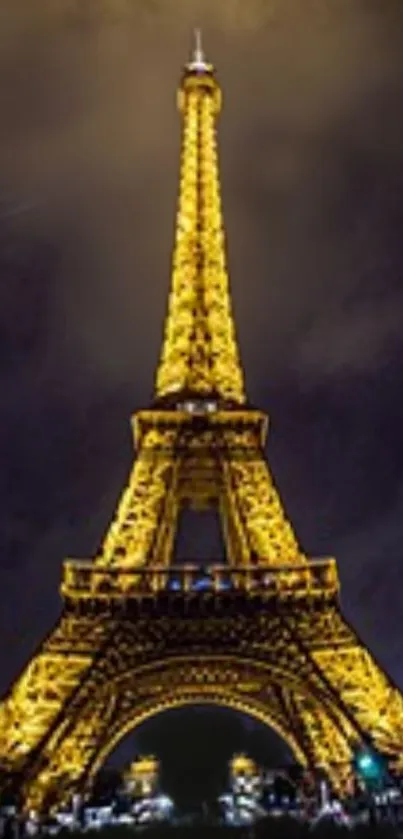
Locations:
273 643
200 354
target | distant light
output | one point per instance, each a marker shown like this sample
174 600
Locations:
365 761
198 406
203 584
370 765
174 585
164 802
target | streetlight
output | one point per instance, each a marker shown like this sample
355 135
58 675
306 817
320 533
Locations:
371 768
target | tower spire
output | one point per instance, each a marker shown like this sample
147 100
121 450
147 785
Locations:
199 356
198 53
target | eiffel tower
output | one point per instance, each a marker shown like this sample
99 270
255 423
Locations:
263 632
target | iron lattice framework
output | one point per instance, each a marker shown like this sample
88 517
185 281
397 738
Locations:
137 635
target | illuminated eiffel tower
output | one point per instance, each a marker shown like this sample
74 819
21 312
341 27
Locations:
262 633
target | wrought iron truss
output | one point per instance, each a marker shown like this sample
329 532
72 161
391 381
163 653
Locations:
137 635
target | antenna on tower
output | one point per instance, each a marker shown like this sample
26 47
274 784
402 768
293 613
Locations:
198 60
198 54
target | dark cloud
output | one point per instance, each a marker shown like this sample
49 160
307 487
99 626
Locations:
311 139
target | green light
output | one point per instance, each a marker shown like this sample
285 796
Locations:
370 766
366 762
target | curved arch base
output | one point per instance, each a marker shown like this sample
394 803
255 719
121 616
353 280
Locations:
96 677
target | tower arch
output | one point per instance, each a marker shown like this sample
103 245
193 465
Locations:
116 700
229 702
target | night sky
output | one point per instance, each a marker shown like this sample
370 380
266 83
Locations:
311 140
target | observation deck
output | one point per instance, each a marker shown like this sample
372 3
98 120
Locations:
84 580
